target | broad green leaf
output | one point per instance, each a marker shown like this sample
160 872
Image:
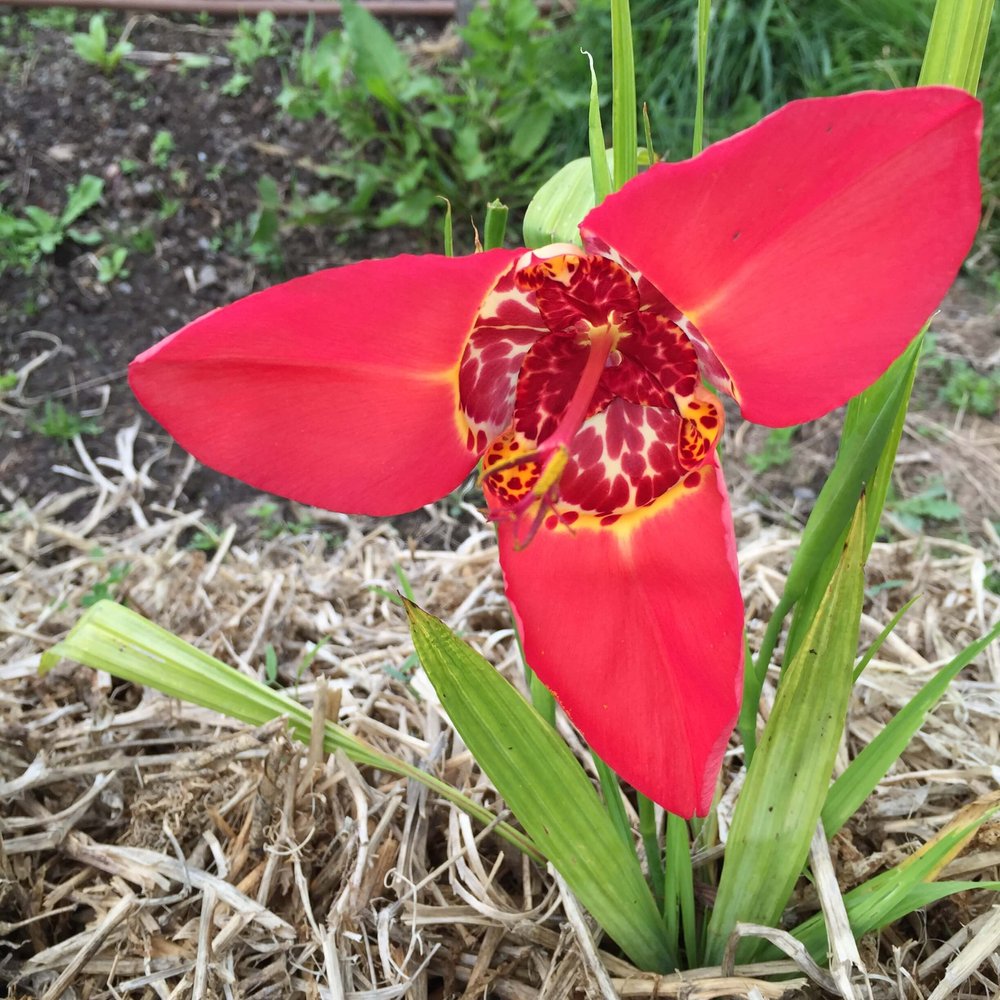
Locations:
818 553
546 788
789 776
895 388
857 459
115 639
559 205
378 61
42 221
873 762
531 131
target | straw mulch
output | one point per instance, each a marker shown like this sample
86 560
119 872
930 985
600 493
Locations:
149 848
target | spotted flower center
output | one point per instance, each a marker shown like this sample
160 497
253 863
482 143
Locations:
583 394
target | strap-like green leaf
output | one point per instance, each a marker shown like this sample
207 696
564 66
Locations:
957 41
789 776
624 128
873 762
599 161
870 446
704 19
546 788
908 886
113 638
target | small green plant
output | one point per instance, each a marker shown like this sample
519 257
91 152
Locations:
930 504
142 240
26 238
58 18
206 540
270 666
92 46
169 207
111 265
967 389
8 381
262 236
161 148
253 40
106 589
776 451
57 422
271 523
236 84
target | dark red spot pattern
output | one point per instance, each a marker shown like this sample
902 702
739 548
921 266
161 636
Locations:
649 423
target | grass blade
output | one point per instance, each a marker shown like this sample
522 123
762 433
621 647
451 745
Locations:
882 636
704 17
547 789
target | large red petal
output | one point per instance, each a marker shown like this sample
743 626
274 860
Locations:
638 629
339 389
809 249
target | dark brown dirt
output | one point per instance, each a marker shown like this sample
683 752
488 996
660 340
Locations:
189 211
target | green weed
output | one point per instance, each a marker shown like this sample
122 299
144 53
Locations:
206 540
36 233
106 589
931 504
111 265
272 524
253 40
92 46
161 149
967 389
963 388
776 451
236 84
59 423
270 666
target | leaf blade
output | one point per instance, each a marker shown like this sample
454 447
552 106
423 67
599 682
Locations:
546 788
